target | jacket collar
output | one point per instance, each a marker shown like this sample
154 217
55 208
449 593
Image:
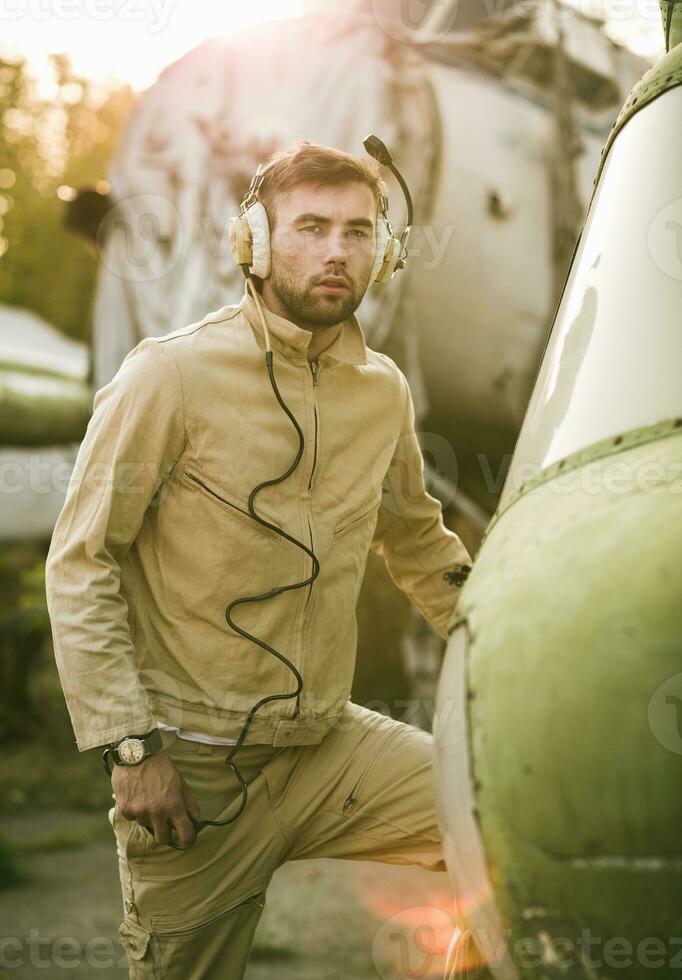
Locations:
291 340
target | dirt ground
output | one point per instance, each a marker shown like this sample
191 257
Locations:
323 920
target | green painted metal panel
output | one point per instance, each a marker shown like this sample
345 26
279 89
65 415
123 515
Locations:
574 608
42 409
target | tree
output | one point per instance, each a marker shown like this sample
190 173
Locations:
47 141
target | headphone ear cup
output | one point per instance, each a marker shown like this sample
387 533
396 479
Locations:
249 237
257 217
382 236
387 260
239 234
391 259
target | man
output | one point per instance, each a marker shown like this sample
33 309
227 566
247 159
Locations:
156 539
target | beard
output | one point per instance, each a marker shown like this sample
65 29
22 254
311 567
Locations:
312 308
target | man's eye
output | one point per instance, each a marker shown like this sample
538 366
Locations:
358 232
311 228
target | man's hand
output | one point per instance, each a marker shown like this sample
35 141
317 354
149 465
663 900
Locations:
153 793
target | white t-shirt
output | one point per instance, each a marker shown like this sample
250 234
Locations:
197 736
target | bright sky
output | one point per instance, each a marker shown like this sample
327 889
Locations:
133 40
126 40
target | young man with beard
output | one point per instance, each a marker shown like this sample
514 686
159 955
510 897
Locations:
157 539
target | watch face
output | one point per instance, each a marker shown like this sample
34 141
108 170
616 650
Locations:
131 751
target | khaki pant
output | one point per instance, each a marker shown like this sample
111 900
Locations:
364 793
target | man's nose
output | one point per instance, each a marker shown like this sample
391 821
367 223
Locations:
337 247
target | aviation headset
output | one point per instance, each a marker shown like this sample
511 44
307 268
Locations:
249 234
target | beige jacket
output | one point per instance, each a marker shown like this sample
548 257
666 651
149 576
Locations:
155 539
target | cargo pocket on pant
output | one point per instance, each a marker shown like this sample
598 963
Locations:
217 945
176 925
137 943
356 794
132 839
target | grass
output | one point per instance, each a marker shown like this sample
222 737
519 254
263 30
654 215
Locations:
63 840
267 953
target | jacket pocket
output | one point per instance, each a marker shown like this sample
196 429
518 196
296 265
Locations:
357 518
232 504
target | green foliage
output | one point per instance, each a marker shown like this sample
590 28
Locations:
48 143
10 874
24 628
42 767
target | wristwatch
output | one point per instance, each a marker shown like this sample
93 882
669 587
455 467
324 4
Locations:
133 749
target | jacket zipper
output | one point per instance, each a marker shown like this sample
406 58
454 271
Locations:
310 587
313 370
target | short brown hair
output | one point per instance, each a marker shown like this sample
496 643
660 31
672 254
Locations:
306 162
